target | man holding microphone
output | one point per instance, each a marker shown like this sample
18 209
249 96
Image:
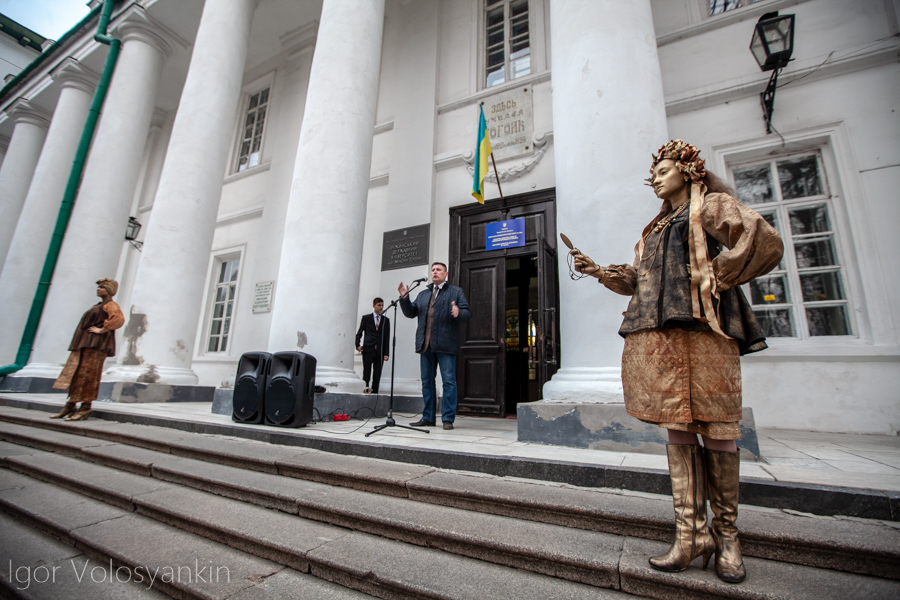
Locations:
440 307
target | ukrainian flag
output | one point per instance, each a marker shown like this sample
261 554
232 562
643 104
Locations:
482 151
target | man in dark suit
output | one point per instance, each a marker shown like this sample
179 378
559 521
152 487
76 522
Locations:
440 308
372 340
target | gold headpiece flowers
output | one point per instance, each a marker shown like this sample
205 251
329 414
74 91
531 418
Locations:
687 159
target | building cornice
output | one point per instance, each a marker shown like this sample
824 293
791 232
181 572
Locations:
752 11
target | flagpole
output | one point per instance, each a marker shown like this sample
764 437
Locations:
497 175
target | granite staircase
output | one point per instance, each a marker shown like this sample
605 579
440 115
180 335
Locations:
144 511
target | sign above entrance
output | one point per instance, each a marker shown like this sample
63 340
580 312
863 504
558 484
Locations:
504 234
406 247
510 121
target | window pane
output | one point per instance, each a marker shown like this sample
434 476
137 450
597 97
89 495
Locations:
264 96
815 253
818 287
754 184
220 294
217 310
720 6
231 292
254 101
827 320
799 177
215 327
226 327
224 343
519 8
495 18
223 272
769 290
810 219
495 59
497 77
234 268
228 311
776 323
213 345
521 63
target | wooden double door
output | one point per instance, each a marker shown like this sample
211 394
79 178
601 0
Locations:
510 346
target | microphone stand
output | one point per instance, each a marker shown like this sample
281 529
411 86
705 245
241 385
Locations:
390 422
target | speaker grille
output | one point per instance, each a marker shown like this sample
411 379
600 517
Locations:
280 400
246 398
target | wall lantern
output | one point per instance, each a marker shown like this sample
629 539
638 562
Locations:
131 233
772 46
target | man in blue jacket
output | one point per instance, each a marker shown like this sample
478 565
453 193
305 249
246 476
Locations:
440 307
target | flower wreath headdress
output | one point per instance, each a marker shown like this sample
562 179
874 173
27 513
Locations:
687 159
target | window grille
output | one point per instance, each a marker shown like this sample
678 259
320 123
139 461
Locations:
223 305
250 147
719 6
805 296
507 41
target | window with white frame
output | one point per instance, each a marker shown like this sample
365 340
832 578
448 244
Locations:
719 6
507 41
806 295
222 313
254 126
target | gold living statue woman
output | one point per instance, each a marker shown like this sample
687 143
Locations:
686 327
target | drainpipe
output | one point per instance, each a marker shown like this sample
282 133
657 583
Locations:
68 201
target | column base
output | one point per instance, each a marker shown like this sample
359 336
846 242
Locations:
608 427
40 370
132 393
29 385
402 387
587 385
338 379
151 374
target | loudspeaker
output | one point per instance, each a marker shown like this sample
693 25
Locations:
248 401
289 391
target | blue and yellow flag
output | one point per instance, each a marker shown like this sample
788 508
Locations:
482 151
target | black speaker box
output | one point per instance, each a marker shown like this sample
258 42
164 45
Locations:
248 401
289 391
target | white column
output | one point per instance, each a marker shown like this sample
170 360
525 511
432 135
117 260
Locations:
18 166
318 279
4 146
605 65
96 231
165 304
411 182
31 240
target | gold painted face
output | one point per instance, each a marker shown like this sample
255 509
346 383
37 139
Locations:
667 181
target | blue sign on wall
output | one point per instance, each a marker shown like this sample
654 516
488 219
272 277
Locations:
505 234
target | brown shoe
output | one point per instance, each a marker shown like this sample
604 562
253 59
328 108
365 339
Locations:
723 475
692 536
69 408
83 413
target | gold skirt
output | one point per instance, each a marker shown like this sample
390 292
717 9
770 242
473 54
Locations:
684 380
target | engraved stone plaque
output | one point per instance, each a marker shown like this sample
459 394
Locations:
407 247
262 296
510 121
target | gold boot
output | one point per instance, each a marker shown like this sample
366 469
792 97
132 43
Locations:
67 409
83 413
692 536
723 475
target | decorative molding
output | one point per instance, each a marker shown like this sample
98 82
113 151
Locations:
261 168
240 215
467 158
71 73
751 11
23 111
486 93
159 118
379 179
4 144
299 41
384 127
810 69
135 23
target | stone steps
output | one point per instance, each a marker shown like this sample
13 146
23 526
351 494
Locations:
852 545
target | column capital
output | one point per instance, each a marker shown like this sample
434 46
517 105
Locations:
71 73
24 111
135 24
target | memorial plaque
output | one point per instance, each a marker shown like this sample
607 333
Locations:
510 121
262 297
407 247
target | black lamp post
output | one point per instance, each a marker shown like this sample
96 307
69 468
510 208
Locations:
772 46
131 233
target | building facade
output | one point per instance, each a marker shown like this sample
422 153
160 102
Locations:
290 161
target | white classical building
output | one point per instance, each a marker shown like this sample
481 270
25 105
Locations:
290 160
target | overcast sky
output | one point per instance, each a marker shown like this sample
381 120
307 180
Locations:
49 18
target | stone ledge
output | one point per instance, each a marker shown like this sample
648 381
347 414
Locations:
329 403
608 427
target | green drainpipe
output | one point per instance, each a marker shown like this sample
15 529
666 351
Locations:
65 210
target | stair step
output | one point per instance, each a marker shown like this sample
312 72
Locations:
362 562
852 545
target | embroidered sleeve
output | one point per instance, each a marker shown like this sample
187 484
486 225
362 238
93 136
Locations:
753 247
116 318
621 279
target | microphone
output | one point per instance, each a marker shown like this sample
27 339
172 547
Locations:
420 280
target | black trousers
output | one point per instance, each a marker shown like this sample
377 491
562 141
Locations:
373 362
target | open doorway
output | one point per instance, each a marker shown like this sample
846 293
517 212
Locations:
521 331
